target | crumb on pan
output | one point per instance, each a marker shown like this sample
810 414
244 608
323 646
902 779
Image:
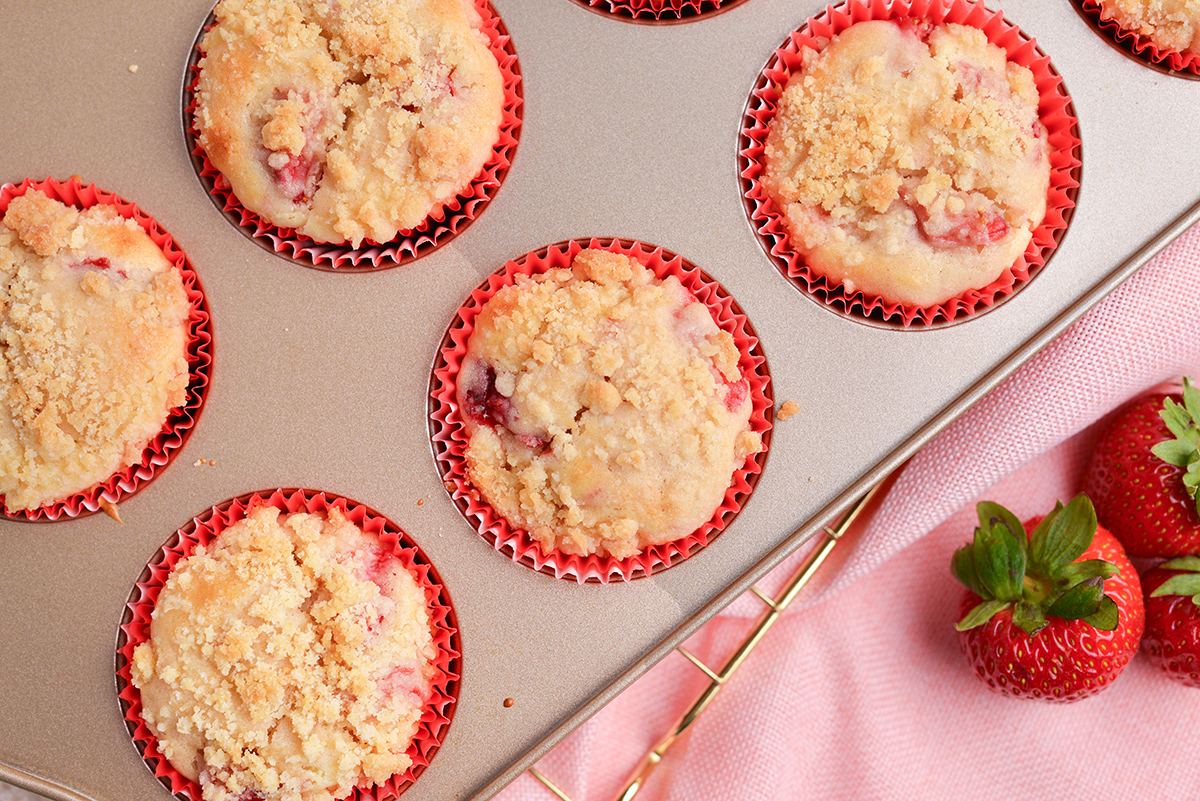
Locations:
109 508
786 410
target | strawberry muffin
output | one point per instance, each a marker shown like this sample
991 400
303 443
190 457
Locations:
290 658
347 120
1168 24
93 347
605 409
908 161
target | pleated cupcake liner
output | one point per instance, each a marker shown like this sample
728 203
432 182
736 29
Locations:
1139 46
667 11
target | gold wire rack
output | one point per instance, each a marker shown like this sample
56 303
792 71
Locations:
775 607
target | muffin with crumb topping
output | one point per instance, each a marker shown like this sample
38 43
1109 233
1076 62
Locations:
348 120
94 327
908 161
290 658
605 409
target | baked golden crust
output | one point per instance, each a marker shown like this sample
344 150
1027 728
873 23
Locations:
93 334
911 167
1169 24
605 409
289 659
347 120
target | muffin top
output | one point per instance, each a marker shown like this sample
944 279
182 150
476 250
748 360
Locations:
347 119
1169 24
908 161
93 323
605 409
291 658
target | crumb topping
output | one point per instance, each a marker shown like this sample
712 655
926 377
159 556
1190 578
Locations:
787 410
289 659
1169 24
351 119
93 331
606 410
909 163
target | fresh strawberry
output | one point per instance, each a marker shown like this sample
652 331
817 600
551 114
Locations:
1172 638
1055 614
1144 473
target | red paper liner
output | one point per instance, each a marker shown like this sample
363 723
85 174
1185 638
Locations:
1054 108
448 433
203 529
440 227
181 420
663 11
1138 46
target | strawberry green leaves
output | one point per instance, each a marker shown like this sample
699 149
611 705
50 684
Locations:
998 553
1036 575
1183 421
1063 535
1183 583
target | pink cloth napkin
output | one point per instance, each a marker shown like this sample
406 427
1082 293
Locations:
860 691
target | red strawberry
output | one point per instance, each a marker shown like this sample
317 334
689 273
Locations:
1172 639
1055 615
1144 474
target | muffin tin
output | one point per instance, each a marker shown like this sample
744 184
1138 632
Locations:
322 379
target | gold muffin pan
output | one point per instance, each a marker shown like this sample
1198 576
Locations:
321 379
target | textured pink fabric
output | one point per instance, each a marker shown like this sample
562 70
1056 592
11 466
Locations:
860 692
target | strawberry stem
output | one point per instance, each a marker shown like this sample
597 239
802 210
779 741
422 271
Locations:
1036 589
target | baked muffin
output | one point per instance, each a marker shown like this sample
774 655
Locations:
1168 24
908 161
348 120
604 409
93 323
290 658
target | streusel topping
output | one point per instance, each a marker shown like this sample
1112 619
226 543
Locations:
93 332
289 659
909 161
1169 24
347 119
605 408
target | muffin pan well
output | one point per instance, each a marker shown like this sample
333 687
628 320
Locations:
206 527
438 229
322 378
1054 111
198 346
448 433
